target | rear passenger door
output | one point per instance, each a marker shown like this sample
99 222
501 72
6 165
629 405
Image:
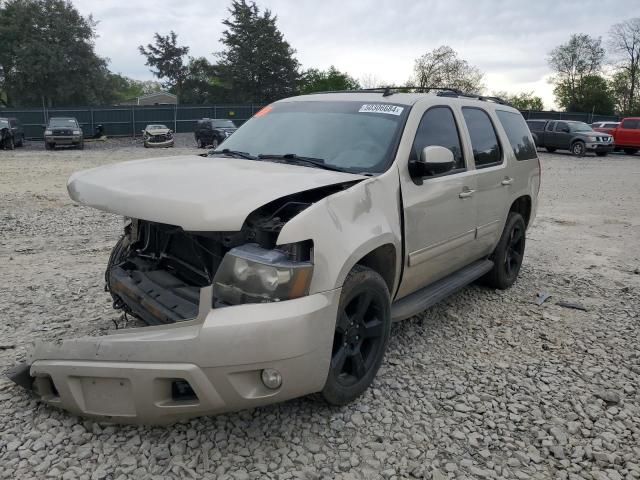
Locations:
491 194
439 211
628 133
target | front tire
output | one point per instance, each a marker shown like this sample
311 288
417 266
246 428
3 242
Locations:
508 255
20 143
630 151
551 149
578 149
214 144
363 326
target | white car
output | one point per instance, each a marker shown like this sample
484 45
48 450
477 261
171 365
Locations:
274 268
157 135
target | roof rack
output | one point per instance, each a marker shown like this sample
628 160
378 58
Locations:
440 91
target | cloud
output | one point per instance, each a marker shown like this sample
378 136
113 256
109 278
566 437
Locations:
507 39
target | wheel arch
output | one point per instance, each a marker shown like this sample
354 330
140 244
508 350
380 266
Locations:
382 260
523 206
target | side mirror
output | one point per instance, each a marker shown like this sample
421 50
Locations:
434 160
565 130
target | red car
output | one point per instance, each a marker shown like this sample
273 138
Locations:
605 127
627 135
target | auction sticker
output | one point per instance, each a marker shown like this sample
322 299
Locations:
381 108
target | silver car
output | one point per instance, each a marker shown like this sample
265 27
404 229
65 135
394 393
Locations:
275 267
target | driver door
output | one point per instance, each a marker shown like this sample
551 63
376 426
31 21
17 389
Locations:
439 211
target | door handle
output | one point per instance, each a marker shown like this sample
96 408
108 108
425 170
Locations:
507 181
466 193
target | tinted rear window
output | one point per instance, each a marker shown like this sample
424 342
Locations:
518 134
632 124
536 126
484 141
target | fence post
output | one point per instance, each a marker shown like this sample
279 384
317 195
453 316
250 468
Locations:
215 111
175 118
93 127
133 121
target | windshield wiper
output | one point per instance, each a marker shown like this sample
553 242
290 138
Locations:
232 153
293 158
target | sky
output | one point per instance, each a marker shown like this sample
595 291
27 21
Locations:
378 40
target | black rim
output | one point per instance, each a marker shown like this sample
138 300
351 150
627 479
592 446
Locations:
515 251
577 148
358 338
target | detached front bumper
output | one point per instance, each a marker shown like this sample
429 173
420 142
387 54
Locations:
167 143
133 376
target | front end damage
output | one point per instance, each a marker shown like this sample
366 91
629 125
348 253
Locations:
207 342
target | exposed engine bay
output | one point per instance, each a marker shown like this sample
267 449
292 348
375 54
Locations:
155 271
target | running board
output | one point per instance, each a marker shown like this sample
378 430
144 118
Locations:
426 297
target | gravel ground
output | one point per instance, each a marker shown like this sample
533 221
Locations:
485 385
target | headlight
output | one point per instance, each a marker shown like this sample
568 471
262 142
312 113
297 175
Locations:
48 132
593 139
77 132
252 274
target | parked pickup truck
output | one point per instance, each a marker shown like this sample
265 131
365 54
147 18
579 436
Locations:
273 268
577 137
627 135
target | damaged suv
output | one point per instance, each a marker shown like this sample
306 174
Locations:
274 268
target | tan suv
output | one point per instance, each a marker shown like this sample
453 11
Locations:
273 268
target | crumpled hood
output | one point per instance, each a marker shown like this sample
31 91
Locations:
158 131
194 192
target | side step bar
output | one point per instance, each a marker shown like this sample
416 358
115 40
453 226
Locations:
426 297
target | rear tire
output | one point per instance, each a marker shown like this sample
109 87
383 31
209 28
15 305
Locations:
578 148
21 142
10 144
363 326
551 149
508 255
602 154
630 151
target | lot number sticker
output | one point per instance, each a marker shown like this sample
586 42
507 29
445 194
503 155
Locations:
381 108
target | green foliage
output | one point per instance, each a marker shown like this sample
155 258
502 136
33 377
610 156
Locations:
624 42
202 83
166 58
442 68
314 80
591 94
581 57
47 55
258 64
522 101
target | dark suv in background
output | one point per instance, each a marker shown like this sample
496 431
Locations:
63 131
11 133
577 137
212 132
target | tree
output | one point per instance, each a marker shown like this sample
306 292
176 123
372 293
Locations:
166 58
118 88
442 68
620 86
202 83
314 80
624 42
522 101
580 57
593 95
258 64
47 54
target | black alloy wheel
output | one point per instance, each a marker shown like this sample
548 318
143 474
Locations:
363 325
515 251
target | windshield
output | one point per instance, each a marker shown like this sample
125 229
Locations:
223 124
63 122
4 123
354 136
580 127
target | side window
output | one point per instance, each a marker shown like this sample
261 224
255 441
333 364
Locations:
551 126
562 127
535 126
518 134
438 127
631 124
484 141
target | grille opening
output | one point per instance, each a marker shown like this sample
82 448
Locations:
181 391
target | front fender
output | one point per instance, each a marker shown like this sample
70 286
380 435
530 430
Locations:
347 226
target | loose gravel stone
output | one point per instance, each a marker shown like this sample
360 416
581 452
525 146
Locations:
486 384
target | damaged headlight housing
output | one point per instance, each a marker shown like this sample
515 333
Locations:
252 274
